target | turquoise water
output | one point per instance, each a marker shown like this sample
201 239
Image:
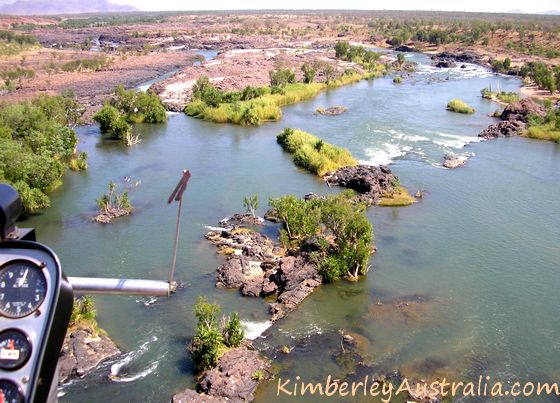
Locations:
480 251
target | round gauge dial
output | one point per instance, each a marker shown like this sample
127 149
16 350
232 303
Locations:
15 350
9 392
22 289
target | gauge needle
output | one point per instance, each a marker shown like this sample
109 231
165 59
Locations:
22 280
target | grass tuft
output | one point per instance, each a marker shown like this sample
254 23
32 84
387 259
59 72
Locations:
397 198
456 105
312 153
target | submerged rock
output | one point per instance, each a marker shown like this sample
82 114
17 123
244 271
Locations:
334 110
369 181
235 378
83 350
453 161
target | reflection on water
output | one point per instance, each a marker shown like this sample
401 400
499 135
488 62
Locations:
464 282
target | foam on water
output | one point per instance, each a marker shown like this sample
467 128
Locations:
254 330
384 155
130 357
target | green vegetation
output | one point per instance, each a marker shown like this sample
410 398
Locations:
37 146
127 107
456 105
112 201
312 153
545 128
502 66
18 74
502 96
12 43
357 54
340 227
211 338
544 77
251 204
282 77
399 197
93 64
83 313
397 80
252 106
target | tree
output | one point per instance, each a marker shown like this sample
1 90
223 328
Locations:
341 50
210 336
282 77
112 122
329 73
400 58
251 203
308 73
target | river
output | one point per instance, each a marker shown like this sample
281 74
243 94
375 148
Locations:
477 257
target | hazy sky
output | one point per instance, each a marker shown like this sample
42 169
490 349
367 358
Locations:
534 6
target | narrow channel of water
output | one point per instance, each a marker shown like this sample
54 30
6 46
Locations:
477 258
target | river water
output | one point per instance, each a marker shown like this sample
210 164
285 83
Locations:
476 260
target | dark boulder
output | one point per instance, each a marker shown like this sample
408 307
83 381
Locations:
445 64
504 128
369 181
235 378
405 48
83 350
521 110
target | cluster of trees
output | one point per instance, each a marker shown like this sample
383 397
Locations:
336 223
127 107
450 29
501 66
205 91
545 77
356 54
38 145
213 336
12 43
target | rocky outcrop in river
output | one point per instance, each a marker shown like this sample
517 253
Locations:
449 59
259 267
514 119
369 181
83 350
234 379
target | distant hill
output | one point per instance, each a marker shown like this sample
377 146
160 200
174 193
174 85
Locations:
45 7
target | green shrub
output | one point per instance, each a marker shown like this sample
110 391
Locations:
502 96
83 312
93 64
209 340
282 77
112 122
312 153
233 332
336 217
36 147
456 105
